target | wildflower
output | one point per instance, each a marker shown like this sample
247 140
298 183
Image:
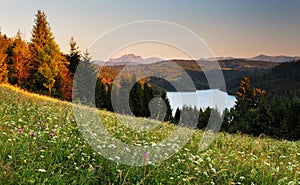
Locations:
25 161
32 134
42 170
96 169
52 134
20 130
145 155
242 178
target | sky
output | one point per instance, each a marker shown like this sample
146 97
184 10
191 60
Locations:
229 28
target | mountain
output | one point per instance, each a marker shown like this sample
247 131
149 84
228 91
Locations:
131 59
277 59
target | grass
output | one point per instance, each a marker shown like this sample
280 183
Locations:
40 143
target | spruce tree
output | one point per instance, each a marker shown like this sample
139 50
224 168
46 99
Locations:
4 44
85 81
19 62
46 55
177 116
74 56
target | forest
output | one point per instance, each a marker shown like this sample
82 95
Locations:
269 106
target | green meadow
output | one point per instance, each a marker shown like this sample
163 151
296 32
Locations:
40 143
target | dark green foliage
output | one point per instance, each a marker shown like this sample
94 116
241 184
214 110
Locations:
147 96
168 116
256 114
189 116
85 82
282 81
177 116
103 95
203 118
73 57
135 101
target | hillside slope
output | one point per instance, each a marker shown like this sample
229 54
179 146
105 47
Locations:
40 144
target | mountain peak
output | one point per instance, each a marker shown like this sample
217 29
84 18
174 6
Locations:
278 59
132 59
129 57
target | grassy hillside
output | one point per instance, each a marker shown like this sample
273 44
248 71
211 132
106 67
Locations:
40 143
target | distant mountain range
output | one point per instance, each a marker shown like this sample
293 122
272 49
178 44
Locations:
266 58
132 59
129 59
233 69
277 59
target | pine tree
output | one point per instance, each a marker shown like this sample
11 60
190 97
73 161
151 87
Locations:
177 116
204 118
136 98
85 81
74 56
147 96
46 56
168 116
247 112
20 64
4 44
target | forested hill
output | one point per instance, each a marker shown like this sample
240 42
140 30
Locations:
283 80
233 70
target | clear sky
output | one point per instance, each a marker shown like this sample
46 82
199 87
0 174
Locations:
230 27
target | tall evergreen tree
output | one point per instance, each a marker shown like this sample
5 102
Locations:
19 62
46 55
248 99
4 44
147 96
177 116
85 81
74 56
136 98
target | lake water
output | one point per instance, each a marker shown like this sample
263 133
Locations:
212 98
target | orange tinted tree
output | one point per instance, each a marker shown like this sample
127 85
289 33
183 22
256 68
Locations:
19 62
4 44
50 72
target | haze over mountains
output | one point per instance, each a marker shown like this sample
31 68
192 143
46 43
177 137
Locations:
132 59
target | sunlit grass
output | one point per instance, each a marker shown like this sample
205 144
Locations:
40 143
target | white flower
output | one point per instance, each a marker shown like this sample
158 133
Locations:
291 183
268 164
42 170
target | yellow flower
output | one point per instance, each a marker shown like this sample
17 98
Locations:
25 161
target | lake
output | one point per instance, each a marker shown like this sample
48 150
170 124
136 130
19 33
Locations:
213 98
